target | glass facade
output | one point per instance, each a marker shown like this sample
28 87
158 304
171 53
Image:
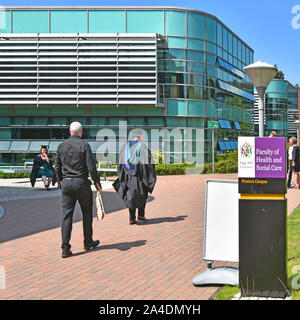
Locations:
281 108
200 76
30 22
293 111
106 21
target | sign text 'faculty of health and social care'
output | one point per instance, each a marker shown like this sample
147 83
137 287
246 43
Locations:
262 157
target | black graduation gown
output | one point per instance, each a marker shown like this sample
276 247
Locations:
133 186
38 162
295 158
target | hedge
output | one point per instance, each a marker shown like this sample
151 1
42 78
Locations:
226 164
165 170
221 167
14 175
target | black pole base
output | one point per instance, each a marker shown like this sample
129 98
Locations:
262 248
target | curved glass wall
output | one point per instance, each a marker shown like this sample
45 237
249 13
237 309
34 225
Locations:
205 79
277 107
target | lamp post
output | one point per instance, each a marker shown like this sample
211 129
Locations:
261 74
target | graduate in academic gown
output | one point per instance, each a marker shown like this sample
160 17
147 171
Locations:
294 162
136 176
43 168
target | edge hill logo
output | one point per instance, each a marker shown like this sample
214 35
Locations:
246 150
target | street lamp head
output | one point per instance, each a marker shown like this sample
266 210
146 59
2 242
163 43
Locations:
261 74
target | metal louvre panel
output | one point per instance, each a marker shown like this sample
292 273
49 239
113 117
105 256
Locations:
78 69
255 111
292 117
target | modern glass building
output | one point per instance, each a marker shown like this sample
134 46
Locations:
281 108
154 67
293 110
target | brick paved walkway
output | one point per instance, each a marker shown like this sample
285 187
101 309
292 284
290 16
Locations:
157 260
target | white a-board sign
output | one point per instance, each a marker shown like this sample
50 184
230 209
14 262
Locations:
221 233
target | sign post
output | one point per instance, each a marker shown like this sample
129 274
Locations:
262 217
213 125
221 239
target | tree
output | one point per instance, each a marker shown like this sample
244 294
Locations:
279 74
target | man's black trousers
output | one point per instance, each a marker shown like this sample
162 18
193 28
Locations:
290 173
73 190
132 213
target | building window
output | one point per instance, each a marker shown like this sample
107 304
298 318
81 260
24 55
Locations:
145 21
211 34
196 25
175 23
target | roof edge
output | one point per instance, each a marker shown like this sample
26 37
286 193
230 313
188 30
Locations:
124 8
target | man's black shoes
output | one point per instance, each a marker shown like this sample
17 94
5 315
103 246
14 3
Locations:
66 253
92 246
142 219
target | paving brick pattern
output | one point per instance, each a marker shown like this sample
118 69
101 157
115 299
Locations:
157 260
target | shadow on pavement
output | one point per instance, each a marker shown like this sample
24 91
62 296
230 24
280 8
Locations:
122 246
25 217
162 220
27 189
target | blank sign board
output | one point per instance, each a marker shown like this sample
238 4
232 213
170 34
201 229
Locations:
221 238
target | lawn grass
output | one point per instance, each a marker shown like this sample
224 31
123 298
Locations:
293 238
293 260
227 293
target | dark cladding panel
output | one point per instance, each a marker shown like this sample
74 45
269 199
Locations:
262 247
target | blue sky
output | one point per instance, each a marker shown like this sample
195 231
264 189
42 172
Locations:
264 24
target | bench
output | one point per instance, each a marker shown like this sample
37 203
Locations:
19 169
28 164
28 167
109 169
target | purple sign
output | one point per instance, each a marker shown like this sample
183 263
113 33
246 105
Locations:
270 159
